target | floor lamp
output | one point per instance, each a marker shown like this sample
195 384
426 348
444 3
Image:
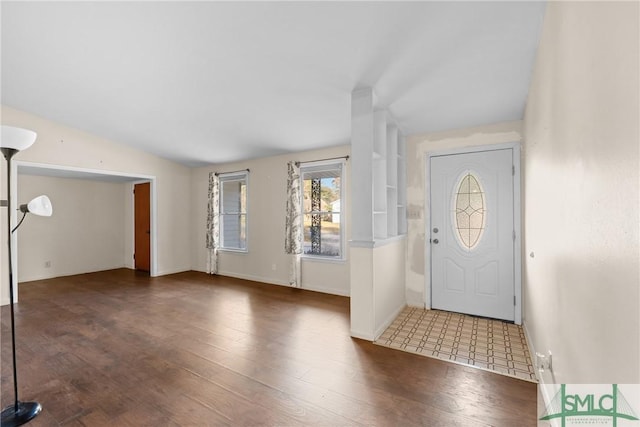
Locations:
12 141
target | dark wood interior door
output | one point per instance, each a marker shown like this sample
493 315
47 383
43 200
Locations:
142 213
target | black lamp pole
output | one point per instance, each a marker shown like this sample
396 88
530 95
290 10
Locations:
20 412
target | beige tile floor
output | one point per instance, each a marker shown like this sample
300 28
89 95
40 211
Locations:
488 344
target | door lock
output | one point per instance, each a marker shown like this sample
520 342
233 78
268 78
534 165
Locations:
435 230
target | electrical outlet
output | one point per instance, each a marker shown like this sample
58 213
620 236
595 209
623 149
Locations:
540 361
549 361
47 264
544 361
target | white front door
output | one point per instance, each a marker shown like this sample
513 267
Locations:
472 233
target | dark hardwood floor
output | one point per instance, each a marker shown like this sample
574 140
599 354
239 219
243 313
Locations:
118 348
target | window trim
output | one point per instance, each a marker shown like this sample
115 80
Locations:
234 176
329 164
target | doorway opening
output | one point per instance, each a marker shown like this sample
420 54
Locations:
58 171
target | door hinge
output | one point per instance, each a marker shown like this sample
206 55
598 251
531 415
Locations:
134 256
514 300
514 235
513 170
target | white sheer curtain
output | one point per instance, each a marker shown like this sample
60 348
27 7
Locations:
213 223
294 224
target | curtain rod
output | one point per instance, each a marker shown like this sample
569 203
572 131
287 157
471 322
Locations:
224 173
322 160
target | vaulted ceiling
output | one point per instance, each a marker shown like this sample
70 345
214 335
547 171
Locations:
213 82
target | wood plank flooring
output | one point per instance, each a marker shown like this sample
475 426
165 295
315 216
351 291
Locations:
118 348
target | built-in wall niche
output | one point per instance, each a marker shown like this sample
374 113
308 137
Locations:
392 180
387 169
401 205
379 178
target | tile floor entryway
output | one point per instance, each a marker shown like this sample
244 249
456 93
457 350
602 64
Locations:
483 343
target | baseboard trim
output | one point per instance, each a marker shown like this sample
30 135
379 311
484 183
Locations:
388 321
327 291
252 278
543 386
532 348
361 335
168 272
56 275
280 283
417 304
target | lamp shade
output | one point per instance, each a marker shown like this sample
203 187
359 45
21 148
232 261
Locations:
16 138
40 206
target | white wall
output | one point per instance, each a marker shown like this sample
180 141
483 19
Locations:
417 205
362 304
377 287
389 279
266 204
581 193
61 145
85 234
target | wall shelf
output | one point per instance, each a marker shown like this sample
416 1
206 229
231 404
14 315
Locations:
385 207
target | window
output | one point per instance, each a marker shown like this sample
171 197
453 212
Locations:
322 208
233 211
469 212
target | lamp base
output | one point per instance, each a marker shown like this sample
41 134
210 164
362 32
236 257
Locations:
25 413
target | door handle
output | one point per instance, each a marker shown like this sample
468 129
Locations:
436 241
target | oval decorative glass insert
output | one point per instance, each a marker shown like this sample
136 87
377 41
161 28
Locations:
469 212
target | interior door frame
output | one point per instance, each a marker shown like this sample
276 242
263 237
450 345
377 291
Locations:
517 218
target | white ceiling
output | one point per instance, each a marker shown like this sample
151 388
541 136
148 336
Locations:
212 82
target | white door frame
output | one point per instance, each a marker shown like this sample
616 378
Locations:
517 220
